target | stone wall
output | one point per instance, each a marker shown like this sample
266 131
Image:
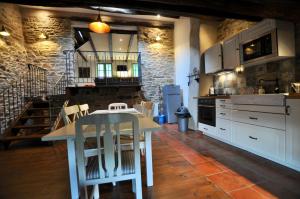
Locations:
157 59
230 27
286 71
13 54
47 53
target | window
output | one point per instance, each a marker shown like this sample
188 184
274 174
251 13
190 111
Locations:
135 70
83 72
108 69
100 71
104 70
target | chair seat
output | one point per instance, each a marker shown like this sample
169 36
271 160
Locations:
127 157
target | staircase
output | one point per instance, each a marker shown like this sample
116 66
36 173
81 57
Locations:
28 109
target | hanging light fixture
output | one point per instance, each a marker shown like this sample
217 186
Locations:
4 32
99 26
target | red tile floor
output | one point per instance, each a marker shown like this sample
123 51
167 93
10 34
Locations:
186 166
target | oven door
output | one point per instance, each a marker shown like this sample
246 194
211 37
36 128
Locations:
207 114
260 48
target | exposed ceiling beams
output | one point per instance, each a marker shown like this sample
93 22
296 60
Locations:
110 43
94 48
129 46
242 9
81 55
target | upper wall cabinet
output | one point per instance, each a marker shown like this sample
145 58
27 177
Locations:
231 52
213 59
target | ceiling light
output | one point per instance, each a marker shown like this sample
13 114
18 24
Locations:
98 26
121 40
112 9
157 38
120 48
4 32
43 36
158 16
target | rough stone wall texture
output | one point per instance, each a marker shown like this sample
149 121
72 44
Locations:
230 27
286 71
157 60
13 54
48 53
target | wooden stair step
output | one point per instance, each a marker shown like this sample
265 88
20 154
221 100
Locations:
22 137
31 126
36 116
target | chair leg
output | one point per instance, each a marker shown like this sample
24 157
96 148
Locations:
133 185
96 192
138 188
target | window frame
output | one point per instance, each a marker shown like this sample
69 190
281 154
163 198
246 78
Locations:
135 71
105 71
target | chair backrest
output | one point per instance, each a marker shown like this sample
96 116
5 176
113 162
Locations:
58 121
147 108
107 134
117 106
70 114
84 109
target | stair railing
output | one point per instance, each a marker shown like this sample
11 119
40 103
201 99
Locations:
26 87
58 90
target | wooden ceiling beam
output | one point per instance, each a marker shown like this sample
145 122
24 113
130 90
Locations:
129 46
94 48
110 46
243 9
81 55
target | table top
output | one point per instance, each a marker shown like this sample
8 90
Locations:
68 131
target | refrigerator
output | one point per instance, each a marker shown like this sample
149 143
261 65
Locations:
171 102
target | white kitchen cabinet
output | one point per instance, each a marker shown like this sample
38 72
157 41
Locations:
213 59
293 133
231 53
266 142
223 129
207 129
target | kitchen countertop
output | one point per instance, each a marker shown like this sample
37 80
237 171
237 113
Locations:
289 96
216 97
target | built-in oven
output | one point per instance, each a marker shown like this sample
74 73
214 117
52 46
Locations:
207 111
262 47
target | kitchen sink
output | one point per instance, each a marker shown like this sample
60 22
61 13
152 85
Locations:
265 99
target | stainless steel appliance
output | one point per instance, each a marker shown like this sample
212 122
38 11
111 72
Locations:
207 111
260 48
171 102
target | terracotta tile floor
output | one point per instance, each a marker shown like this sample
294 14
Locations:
186 166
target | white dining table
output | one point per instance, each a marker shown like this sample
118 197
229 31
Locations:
67 133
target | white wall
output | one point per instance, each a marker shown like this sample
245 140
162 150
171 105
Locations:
182 55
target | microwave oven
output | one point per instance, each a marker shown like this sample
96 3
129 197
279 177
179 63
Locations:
260 48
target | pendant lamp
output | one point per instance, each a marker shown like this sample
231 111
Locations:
98 26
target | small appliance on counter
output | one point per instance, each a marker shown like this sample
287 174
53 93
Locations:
296 87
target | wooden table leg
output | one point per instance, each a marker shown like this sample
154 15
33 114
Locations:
149 166
72 169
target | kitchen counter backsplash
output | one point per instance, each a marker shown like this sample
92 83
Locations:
250 80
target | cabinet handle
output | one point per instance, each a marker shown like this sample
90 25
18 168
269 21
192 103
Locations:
237 49
253 138
222 129
222 113
223 106
287 110
253 118
222 100
205 128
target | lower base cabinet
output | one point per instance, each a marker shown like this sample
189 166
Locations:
293 133
266 142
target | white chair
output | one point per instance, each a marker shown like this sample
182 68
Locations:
84 109
117 106
57 122
110 164
70 114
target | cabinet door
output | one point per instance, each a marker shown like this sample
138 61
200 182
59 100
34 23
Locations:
293 132
213 59
231 53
